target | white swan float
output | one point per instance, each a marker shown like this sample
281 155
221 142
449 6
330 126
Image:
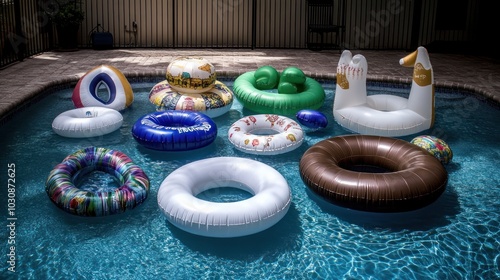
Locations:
383 114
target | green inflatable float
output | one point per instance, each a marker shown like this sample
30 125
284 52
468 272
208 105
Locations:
256 90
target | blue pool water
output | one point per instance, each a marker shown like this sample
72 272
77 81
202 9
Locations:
454 238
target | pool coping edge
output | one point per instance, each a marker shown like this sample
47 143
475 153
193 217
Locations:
38 92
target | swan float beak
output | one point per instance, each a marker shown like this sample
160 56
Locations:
409 60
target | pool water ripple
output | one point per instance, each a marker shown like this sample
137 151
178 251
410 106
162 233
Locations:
454 238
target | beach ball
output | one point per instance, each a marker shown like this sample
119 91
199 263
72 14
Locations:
191 75
437 147
312 118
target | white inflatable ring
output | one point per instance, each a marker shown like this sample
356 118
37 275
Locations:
87 122
266 134
268 205
119 89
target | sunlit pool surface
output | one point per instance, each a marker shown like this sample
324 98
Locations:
454 238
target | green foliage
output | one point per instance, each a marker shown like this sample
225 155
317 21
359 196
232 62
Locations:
67 12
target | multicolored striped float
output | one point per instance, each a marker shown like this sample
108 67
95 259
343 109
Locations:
62 190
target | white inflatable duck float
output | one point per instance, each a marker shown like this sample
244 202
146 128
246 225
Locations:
383 114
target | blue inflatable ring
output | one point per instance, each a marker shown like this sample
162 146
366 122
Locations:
174 130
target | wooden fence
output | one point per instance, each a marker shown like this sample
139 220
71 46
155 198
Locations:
369 24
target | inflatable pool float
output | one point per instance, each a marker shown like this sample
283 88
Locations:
435 146
63 191
174 130
119 91
191 74
213 102
383 114
87 122
265 134
191 85
263 92
268 205
373 173
312 119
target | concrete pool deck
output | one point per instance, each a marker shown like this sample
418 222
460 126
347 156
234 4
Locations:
24 81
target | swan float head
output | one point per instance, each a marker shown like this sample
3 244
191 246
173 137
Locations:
351 80
422 68
422 92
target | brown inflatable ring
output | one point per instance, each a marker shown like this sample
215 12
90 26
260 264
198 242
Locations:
412 177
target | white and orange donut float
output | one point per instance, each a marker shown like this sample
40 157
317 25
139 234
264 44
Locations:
119 91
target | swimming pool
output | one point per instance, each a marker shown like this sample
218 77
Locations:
454 238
